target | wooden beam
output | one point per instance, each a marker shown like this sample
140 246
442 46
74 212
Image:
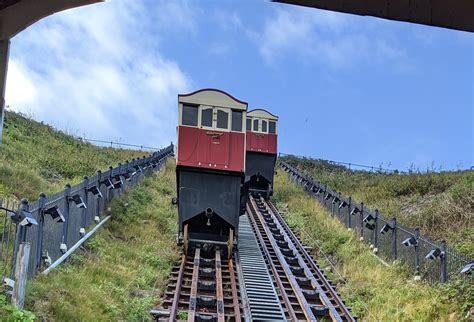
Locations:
452 14
4 50
23 14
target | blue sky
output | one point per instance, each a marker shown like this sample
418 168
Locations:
347 88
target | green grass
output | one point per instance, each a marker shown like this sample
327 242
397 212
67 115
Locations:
440 204
9 313
35 157
122 268
375 292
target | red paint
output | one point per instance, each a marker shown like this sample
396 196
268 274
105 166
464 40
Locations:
211 149
262 142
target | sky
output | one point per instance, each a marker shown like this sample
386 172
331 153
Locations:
346 88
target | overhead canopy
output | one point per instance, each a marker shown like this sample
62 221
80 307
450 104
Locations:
16 15
453 14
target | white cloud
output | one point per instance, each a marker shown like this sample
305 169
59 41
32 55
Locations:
333 39
97 71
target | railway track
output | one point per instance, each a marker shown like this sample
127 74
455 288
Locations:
279 279
203 287
305 292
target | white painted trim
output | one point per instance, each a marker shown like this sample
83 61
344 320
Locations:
212 97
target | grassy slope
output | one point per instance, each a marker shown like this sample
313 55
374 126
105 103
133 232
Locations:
35 157
117 274
441 204
374 291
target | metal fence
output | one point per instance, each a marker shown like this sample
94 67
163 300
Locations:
53 224
355 167
7 246
430 260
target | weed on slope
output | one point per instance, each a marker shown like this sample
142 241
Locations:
374 291
35 157
441 204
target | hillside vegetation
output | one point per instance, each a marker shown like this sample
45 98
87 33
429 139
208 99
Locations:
374 291
35 157
440 204
117 276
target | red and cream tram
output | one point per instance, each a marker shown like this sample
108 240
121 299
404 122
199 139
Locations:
261 154
210 165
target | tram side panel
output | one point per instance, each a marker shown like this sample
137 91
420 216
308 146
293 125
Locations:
260 161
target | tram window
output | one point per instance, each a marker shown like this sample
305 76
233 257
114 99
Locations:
206 117
190 115
236 121
271 127
255 125
264 126
249 124
222 119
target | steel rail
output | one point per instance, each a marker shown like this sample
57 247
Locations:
286 301
235 295
288 250
219 291
320 277
174 307
286 268
203 288
194 286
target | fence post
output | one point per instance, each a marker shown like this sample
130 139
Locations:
99 200
127 170
444 262
20 233
132 182
349 209
22 255
84 223
361 230
67 195
394 239
376 232
39 240
110 192
417 253
331 200
21 272
323 201
337 205
120 177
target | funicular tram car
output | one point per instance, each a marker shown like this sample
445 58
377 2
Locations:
210 167
261 154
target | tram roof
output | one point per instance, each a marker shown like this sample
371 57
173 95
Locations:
262 113
213 97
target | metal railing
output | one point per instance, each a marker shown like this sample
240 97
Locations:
429 259
117 145
7 246
372 168
53 224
